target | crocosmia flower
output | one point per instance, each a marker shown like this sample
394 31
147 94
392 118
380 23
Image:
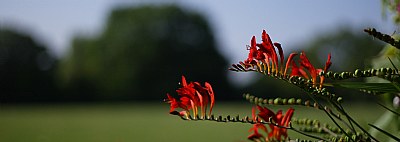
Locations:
193 96
263 58
278 123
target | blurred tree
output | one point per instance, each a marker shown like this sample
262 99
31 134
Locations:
350 50
26 69
142 53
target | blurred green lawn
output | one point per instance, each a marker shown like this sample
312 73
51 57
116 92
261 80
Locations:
133 122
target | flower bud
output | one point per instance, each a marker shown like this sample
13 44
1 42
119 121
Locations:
396 102
277 101
357 73
298 101
291 101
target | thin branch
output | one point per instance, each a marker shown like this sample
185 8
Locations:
305 134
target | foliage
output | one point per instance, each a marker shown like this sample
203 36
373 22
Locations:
26 68
140 52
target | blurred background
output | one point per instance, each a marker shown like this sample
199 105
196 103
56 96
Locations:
99 70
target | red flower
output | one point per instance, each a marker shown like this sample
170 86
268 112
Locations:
304 62
298 71
264 53
268 49
279 121
288 62
328 64
253 52
256 135
282 121
193 95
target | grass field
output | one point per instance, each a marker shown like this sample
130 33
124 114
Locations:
132 122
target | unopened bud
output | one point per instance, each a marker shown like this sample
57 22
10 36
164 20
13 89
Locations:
396 102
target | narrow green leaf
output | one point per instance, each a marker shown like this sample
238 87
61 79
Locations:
378 87
386 133
398 114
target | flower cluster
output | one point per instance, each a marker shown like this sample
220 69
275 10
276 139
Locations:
277 123
263 56
270 126
192 96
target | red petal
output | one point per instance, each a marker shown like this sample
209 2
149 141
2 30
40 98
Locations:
288 116
265 113
328 63
173 103
296 71
211 93
281 55
184 84
291 56
304 62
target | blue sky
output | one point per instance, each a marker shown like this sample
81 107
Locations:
234 22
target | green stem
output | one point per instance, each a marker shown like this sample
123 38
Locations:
329 115
358 125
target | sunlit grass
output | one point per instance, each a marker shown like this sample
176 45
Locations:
130 122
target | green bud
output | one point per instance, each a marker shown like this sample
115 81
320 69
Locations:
308 122
246 96
298 101
329 74
219 118
315 122
265 101
344 75
271 101
339 100
277 101
321 73
307 103
336 76
389 70
284 101
346 138
354 137
319 130
383 70
374 72
366 73
292 79
316 105
260 100
292 101
251 99
358 73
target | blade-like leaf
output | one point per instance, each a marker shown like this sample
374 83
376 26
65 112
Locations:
398 114
378 87
386 133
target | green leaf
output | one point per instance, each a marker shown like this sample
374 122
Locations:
377 87
386 133
398 114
